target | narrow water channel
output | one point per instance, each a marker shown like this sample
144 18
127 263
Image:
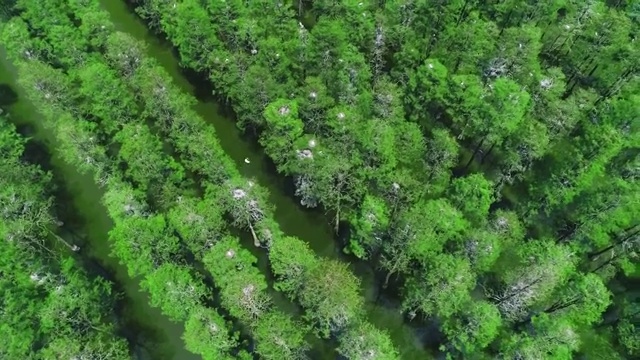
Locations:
310 226
154 335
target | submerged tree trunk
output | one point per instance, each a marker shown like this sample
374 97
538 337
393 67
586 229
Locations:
72 247
386 279
256 241
475 152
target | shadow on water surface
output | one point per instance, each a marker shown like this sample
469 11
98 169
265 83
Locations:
8 96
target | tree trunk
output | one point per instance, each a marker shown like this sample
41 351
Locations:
616 243
485 155
606 263
256 241
475 152
386 279
73 248
462 14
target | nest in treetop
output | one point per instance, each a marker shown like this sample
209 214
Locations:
284 110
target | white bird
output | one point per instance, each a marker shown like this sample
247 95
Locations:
246 160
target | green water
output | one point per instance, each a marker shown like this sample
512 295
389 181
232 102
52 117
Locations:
153 333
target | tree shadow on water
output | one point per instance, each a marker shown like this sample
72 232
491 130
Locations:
8 96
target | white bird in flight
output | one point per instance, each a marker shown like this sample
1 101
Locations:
246 160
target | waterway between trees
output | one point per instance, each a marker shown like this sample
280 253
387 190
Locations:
146 325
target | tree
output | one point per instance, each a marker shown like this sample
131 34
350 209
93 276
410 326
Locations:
442 289
484 246
473 195
554 339
427 88
198 222
291 260
246 202
174 289
243 287
107 96
280 337
441 156
369 227
364 341
543 266
283 129
468 43
196 48
475 328
206 334
583 300
144 244
146 163
50 306
124 53
331 296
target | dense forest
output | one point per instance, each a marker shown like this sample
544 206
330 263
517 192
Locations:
481 158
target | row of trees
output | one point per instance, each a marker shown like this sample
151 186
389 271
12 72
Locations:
103 93
50 307
142 238
371 109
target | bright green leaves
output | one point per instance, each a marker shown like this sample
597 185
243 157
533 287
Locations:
551 338
206 334
441 156
369 227
198 222
92 348
242 285
468 43
284 126
331 295
95 24
442 289
508 105
190 18
314 101
278 337
364 341
291 260
124 53
583 300
328 291
106 95
175 290
148 166
543 265
430 225
143 243
16 40
475 328
428 85
629 336
26 207
473 195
